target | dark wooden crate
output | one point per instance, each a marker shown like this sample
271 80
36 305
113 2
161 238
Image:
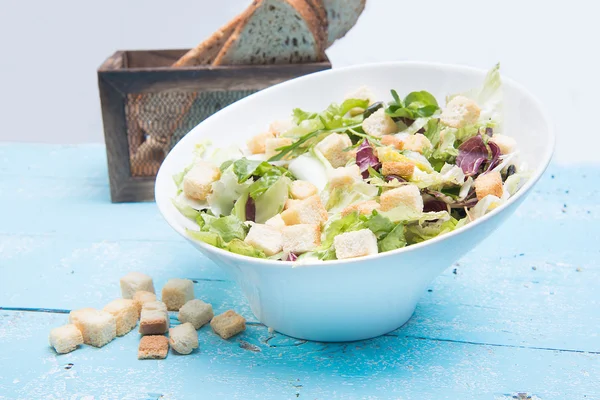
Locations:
147 106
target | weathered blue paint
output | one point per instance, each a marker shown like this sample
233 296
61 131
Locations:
520 313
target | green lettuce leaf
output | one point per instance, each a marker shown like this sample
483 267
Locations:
272 200
228 228
393 240
416 233
379 224
240 247
349 223
226 191
415 105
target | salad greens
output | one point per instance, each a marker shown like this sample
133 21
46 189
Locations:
414 170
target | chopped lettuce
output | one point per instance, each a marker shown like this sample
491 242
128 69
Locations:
272 200
338 198
416 233
415 105
310 168
393 240
225 192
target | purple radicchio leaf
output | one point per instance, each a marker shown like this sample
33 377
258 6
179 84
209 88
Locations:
435 205
471 155
291 257
496 152
489 131
250 210
365 158
391 177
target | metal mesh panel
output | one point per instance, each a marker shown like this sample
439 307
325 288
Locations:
157 121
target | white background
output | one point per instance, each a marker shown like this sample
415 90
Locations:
51 50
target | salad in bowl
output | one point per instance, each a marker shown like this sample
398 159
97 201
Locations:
364 176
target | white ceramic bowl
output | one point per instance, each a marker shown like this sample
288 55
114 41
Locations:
364 297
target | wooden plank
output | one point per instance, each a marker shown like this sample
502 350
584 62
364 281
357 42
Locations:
153 58
270 366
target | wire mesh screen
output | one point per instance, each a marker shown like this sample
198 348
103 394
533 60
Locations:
157 121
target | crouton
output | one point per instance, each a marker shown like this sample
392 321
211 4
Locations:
403 169
344 176
197 183
183 338
133 282
379 124
301 190
276 222
364 208
362 93
488 183
196 312
154 347
272 144
265 238
256 145
97 327
301 238
460 112
307 211
125 314
177 292
407 195
281 126
355 244
65 338
506 144
391 140
416 142
153 322
228 324
332 148
289 203
142 297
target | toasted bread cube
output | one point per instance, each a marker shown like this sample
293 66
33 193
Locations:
281 126
403 169
289 203
416 142
256 145
65 338
177 292
97 327
272 144
391 140
355 244
153 322
307 211
125 314
228 324
134 282
364 208
196 312
197 183
183 338
142 297
488 183
276 222
301 238
460 112
344 176
265 238
379 124
155 306
153 347
332 148
301 190
506 144
407 195
362 93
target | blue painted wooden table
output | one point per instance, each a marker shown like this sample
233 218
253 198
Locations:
517 317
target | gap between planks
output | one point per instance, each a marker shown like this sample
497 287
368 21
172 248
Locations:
63 311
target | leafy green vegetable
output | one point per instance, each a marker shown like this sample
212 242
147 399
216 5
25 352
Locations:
185 209
415 105
341 197
379 225
267 180
351 222
299 115
416 233
228 228
272 200
240 247
225 192
239 208
393 240
244 168
207 237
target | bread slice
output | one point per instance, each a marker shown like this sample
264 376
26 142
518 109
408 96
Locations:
341 16
275 32
318 8
205 52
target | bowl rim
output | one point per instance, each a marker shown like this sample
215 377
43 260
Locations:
163 201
